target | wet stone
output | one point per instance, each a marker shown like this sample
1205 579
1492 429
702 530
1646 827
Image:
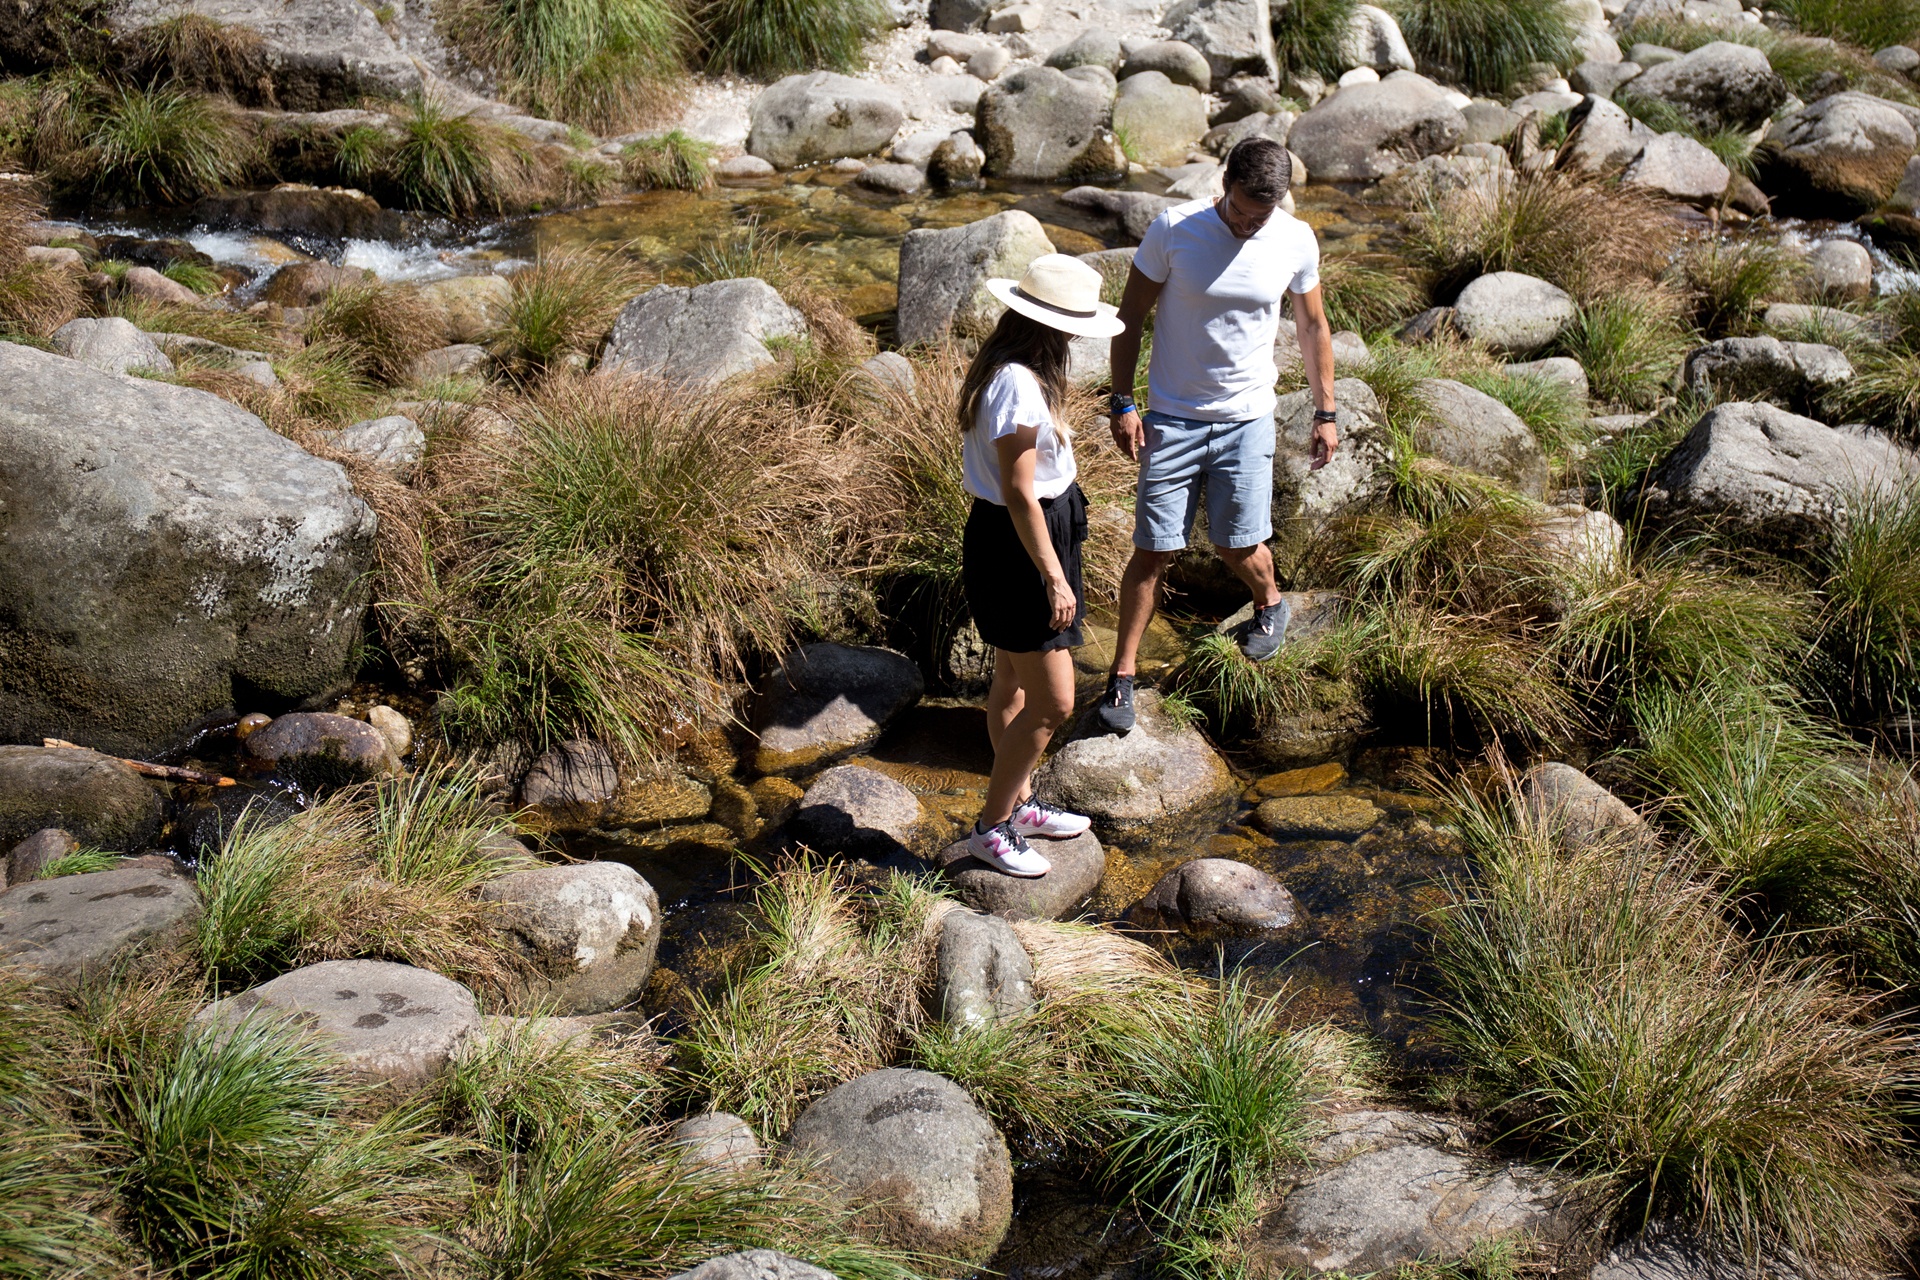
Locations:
1298 782
35 854
69 929
1078 865
318 749
1160 779
827 700
1317 817
102 802
855 810
569 785
1211 895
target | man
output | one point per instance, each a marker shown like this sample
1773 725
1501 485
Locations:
1218 270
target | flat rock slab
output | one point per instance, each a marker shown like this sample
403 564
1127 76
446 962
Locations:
700 336
829 699
1317 817
1311 781
387 1022
590 932
1078 865
70 928
102 802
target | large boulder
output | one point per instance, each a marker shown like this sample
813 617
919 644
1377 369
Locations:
1042 124
926 1167
827 700
1161 778
1094 47
1078 865
166 555
700 336
1604 140
385 1022
71 928
1232 35
1719 86
101 801
318 749
1764 368
1772 476
1367 131
822 116
981 973
854 810
1679 168
944 274
1513 312
1576 808
1837 158
1470 429
1215 895
1159 121
1179 61
588 933
1130 212
1305 500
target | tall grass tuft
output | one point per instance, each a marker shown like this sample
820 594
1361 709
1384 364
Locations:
1487 45
1308 36
1368 293
1607 1013
46 1188
161 145
675 160
1886 387
1870 596
1727 284
1869 24
439 160
607 65
529 1084
384 328
34 299
1631 344
562 306
771 38
193 51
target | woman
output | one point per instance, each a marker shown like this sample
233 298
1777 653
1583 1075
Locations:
1021 554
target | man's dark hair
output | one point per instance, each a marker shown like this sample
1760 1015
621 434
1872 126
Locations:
1261 168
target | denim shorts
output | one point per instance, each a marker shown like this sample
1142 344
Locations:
1231 461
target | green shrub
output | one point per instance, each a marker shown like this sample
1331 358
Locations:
383 327
1870 24
1631 344
562 306
674 160
1469 673
161 145
1486 45
1308 35
1870 589
608 65
1727 284
770 38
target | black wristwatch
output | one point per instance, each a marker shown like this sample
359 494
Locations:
1118 404
1325 415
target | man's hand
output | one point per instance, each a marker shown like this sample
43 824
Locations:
1128 432
1326 439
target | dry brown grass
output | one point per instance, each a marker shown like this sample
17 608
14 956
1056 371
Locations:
35 299
382 328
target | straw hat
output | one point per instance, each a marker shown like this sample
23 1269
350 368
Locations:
1063 293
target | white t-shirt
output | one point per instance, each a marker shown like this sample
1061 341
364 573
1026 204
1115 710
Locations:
1219 309
1012 400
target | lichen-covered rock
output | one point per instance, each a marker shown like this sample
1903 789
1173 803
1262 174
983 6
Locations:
854 810
394 443
1719 86
1322 817
589 933
1159 779
69 929
827 700
1078 865
981 973
319 750
1041 124
1757 368
700 336
928 1169
102 802
944 274
1468 428
822 116
1215 895
1305 500
165 552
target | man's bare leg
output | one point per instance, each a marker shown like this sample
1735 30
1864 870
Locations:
1139 588
1254 566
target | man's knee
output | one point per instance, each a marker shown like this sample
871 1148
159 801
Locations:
1239 555
1151 564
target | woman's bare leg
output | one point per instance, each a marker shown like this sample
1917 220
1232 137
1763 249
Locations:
1046 700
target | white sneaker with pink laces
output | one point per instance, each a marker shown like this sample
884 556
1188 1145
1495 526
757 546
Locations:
1035 819
1006 851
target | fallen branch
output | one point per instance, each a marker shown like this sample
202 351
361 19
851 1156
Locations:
169 772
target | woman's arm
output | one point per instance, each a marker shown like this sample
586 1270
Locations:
1017 461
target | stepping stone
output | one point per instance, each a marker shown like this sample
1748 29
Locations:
1078 865
1317 817
70 928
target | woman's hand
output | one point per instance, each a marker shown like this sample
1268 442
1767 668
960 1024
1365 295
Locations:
1062 604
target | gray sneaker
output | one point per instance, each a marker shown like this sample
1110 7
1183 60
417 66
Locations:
1264 635
1116 704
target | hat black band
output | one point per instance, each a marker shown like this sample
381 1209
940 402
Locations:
1024 296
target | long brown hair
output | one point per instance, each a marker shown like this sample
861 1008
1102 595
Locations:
1020 339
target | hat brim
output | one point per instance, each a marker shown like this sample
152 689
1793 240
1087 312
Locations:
1105 321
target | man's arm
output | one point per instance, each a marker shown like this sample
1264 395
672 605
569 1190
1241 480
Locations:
1316 352
1124 356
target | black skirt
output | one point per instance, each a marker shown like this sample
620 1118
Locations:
1005 594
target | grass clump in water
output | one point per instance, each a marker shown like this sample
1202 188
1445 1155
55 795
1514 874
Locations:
607 65
1308 36
1487 45
1727 284
675 160
770 38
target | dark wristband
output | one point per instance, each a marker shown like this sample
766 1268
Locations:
1325 415
1120 404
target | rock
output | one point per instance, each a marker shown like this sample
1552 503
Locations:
889 371
1563 371
1576 808
590 933
446 363
1159 779
989 63
955 45
570 785
1790 317
318 53
61 259
1841 270
1298 782
386 1022
943 274
1487 122
1200 180
1651 55
757 1264
1374 40
70 929
959 15
112 345
469 308
1470 429
1776 478
1015 18
1595 46
394 444
700 336
928 1169
1900 59
1546 102
1586 541
1679 168
981 973
1364 133
1276 125
304 212
204 827
1245 96
1719 86
164 548
1304 501
827 700
1513 312
957 163
1042 124
822 116
1161 121
1078 866
306 284
1215 895
743 169
1409 1202
148 285
1602 79
1840 157
104 804
1317 817
1094 47
319 750
854 810
35 854
394 727
1177 60
1425 181
1232 35
893 179
1132 212
1759 368
717 1140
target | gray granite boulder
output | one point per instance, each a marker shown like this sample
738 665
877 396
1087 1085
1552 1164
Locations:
1160 121
1561 371
1764 368
1305 500
1605 140
1179 61
822 116
1840 157
957 163
1374 40
892 179
854 810
981 973
1232 35
1078 866
1576 808
1159 779
755 1264
1602 79
588 933
167 554
1094 47
32 856
1130 212
1841 270
385 1022
104 804
926 1167
830 699
394 444
1470 429
69 929
318 749
1679 168
1719 86
111 345
717 1140
1215 895
1513 312
1367 131
1044 124
944 273
700 336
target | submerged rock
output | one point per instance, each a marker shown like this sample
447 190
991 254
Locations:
1321 817
827 700
590 933
700 336
981 973
1078 865
1160 779
72 928
102 802
1215 895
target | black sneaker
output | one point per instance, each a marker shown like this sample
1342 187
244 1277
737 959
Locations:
1116 704
1268 630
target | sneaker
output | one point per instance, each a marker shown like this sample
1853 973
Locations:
1007 851
1264 635
1035 818
1116 704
